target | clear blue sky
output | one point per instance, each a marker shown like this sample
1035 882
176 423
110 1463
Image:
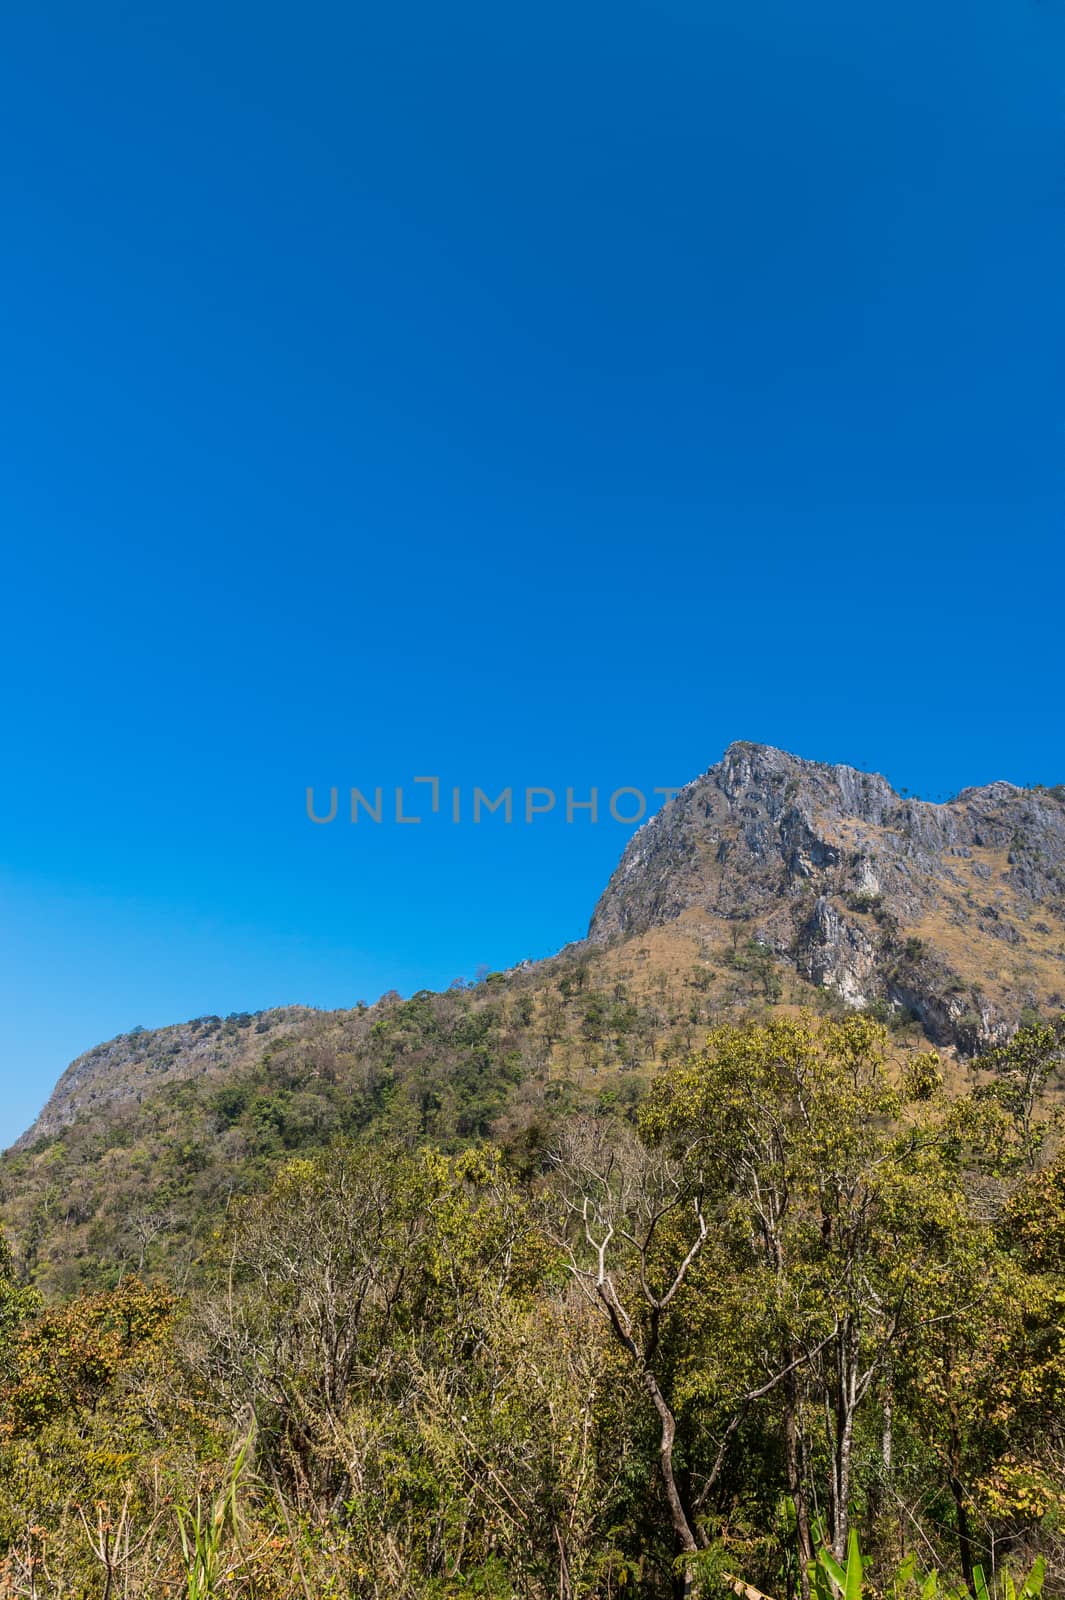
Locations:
545 395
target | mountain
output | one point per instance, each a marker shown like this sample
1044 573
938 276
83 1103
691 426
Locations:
953 912
769 882
136 1063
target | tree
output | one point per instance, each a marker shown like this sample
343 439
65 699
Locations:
1020 1071
18 1303
632 1228
796 1133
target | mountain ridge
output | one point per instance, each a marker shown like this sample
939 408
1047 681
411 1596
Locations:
143 1057
844 885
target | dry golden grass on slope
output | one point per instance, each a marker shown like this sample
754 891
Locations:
994 943
684 973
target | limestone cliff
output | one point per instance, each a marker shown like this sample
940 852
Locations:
952 912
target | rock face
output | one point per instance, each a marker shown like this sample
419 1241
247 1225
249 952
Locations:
953 912
137 1063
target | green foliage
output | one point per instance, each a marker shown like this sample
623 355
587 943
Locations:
1019 1073
17 1304
204 1532
643 1346
829 1580
66 1358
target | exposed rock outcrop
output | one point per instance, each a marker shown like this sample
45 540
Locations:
954 912
137 1063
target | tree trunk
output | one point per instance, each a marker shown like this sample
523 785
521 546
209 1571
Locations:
887 1438
681 1525
965 1538
843 1483
957 1489
841 1434
796 1486
682 1528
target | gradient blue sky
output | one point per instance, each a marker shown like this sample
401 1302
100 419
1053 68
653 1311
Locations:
545 395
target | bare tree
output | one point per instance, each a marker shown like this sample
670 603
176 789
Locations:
635 1219
617 1198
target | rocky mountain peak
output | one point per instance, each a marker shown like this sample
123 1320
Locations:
954 912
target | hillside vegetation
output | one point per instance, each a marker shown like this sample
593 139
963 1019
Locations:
129 1182
793 1292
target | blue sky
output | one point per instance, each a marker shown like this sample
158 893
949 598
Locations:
540 395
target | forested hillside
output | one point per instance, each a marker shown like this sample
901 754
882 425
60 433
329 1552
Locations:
792 1288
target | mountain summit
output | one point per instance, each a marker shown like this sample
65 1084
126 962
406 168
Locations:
952 912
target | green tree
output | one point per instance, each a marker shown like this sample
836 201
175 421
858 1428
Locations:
801 1146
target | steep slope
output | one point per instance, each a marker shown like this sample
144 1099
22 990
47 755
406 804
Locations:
135 1064
954 912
